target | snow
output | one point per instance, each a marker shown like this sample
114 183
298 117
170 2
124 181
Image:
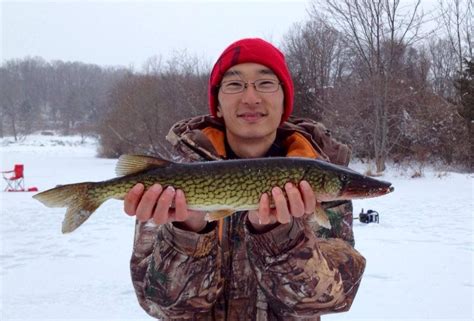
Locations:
419 258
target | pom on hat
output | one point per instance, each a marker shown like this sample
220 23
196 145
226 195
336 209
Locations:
257 51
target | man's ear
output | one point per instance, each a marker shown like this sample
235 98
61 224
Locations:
218 111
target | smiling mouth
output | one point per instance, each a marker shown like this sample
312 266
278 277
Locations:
252 116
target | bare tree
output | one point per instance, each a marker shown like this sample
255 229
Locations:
443 68
76 94
8 102
317 58
22 94
376 30
142 107
457 20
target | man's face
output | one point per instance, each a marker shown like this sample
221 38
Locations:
250 114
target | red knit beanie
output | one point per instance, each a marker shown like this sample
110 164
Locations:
252 50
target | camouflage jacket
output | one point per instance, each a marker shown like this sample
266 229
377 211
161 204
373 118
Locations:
289 273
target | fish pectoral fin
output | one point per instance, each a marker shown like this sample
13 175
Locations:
217 215
321 217
131 164
332 204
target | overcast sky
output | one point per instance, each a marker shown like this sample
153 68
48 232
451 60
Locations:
128 32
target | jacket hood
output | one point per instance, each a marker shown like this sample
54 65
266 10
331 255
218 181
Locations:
202 137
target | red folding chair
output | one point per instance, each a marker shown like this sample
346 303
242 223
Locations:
15 179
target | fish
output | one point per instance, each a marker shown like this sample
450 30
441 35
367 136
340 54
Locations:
220 188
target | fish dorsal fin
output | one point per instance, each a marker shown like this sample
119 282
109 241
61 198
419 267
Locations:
131 164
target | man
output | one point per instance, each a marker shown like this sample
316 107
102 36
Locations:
267 264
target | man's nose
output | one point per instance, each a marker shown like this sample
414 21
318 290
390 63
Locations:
251 95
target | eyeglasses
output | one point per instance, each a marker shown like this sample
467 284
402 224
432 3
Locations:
260 85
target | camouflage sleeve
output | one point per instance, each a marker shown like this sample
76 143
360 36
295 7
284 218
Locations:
341 218
176 274
303 275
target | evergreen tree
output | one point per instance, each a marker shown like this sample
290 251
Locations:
465 87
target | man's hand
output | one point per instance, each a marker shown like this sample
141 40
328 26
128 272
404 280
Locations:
300 201
155 203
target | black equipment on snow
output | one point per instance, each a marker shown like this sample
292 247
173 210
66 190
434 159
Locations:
369 217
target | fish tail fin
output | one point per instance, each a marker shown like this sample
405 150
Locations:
80 204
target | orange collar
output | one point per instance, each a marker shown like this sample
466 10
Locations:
295 144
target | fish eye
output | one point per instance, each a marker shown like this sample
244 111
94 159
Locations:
344 178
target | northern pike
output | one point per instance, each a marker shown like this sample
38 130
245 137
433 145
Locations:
220 188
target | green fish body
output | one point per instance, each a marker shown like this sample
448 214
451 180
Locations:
218 187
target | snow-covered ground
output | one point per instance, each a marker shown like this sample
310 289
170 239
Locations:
419 258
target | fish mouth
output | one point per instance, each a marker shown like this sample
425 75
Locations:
364 186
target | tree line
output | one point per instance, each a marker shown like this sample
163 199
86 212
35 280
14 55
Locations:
65 96
370 70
